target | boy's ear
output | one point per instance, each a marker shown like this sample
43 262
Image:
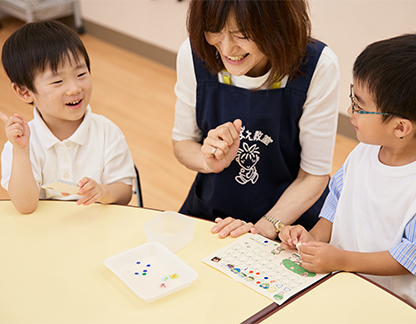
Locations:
403 127
23 93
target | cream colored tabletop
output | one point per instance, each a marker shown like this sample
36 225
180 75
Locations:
52 270
345 298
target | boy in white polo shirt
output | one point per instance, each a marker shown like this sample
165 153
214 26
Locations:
49 68
368 221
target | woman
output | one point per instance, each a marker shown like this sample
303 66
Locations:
256 115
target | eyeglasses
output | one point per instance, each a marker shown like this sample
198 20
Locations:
360 111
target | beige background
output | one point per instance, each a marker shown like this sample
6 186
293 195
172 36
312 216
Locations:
347 26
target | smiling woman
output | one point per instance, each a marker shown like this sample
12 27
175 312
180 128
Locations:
256 97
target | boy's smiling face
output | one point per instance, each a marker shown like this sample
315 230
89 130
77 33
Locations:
62 97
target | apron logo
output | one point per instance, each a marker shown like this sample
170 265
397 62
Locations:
248 156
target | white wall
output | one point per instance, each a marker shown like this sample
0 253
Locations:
158 22
347 26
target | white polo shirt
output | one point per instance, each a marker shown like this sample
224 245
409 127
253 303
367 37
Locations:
97 149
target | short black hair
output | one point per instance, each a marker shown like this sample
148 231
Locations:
37 46
387 69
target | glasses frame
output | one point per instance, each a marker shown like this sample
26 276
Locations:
360 111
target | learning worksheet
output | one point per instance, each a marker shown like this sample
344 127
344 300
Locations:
261 264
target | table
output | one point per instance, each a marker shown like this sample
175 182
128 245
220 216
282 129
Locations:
52 270
344 298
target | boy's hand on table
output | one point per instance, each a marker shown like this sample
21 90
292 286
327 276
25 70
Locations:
90 190
320 257
17 130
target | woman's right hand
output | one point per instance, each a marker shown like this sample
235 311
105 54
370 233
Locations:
221 145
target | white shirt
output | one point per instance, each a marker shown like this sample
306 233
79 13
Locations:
97 149
318 123
372 207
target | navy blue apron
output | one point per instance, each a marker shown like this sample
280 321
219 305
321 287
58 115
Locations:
268 159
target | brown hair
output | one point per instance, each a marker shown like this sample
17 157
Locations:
281 30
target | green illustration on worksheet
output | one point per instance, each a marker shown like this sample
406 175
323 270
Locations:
264 266
295 266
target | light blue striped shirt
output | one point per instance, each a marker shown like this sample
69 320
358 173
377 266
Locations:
404 253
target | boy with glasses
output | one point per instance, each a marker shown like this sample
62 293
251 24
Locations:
368 222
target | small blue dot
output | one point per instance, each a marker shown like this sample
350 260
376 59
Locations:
136 273
144 270
266 241
148 265
266 278
138 262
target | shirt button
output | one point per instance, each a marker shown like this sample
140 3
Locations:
66 175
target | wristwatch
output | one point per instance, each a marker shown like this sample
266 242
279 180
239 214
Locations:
277 223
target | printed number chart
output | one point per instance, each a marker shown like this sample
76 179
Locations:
262 265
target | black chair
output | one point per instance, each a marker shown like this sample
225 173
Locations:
137 189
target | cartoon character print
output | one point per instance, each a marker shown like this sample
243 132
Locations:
293 264
247 157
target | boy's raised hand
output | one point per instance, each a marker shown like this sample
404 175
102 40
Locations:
17 130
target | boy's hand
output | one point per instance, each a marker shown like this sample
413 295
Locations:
17 130
293 235
321 257
90 190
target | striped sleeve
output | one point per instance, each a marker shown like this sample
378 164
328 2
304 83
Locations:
405 252
331 202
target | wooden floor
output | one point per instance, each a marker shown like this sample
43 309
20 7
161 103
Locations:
137 94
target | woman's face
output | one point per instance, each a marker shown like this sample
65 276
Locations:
240 55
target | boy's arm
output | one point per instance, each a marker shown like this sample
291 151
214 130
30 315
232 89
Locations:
322 257
322 230
115 193
23 189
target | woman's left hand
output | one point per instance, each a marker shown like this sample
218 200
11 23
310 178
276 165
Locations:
231 227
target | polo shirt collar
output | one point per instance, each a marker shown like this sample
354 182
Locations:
49 139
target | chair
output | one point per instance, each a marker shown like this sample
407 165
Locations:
36 10
137 189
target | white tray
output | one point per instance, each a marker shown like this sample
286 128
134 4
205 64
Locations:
152 271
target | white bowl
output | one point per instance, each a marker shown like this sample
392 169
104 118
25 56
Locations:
172 229
152 271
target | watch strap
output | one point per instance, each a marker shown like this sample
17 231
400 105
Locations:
277 223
